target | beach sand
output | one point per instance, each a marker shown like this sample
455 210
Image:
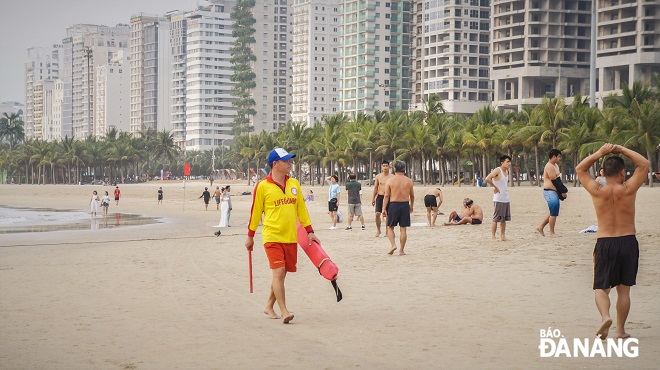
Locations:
173 296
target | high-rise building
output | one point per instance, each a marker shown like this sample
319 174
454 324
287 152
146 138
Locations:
452 45
150 63
272 94
43 63
208 102
628 43
111 96
539 48
178 37
85 48
375 59
315 60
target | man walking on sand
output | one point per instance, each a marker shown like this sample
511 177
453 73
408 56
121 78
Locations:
354 190
432 205
616 254
399 197
379 192
499 180
280 199
553 191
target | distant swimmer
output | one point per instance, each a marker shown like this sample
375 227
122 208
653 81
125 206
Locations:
616 254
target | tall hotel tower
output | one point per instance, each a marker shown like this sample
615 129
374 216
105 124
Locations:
539 48
452 44
150 63
202 110
375 56
85 48
315 60
628 42
272 94
43 64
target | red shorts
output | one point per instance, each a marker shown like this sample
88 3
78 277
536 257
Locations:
282 255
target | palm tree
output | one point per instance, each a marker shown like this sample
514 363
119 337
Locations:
165 148
640 92
644 131
11 128
552 117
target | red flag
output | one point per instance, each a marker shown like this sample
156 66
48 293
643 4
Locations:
186 169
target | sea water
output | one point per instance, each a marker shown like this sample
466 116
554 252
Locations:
20 220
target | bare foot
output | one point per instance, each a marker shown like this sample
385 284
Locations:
552 235
377 234
392 250
540 230
503 239
402 254
623 336
288 318
271 313
604 328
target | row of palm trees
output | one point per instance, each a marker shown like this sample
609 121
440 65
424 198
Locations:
437 146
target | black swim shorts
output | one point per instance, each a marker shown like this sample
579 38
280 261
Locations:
616 260
332 205
476 221
430 201
379 203
398 213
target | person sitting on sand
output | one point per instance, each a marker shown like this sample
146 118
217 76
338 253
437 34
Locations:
455 215
473 215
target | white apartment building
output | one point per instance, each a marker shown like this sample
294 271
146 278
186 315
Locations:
539 48
178 37
375 56
628 43
86 47
452 52
150 63
315 87
112 101
272 93
52 116
43 63
208 102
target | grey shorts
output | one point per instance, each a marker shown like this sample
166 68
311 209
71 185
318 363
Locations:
502 212
355 210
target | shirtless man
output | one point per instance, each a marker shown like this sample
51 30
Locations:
432 205
455 215
400 197
552 179
616 254
473 214
379 192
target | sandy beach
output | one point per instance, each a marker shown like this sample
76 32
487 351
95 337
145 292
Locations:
173 296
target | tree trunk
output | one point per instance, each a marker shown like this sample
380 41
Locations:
650 159
536 158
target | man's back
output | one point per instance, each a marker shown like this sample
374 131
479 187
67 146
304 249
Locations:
353 189
615 209
400 188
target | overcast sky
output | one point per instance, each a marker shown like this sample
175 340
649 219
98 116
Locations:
24 24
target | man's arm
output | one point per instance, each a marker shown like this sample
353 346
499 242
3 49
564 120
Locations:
376 188
582 169
412 196
386 198
489 179
440 198
641 171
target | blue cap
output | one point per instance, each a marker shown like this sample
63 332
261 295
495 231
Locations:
278 154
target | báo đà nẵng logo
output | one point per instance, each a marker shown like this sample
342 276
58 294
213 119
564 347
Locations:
554 344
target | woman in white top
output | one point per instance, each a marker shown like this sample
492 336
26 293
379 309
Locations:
499 180
94 204
105 203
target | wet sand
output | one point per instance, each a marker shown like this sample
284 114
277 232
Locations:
172 295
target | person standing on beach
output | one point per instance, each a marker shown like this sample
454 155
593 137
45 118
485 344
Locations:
333 199
553 191
616 254
105 203
280 199
499 180
94 204
354 190
379 192
160 195
398 205
228 196
207 197
432 205
117 194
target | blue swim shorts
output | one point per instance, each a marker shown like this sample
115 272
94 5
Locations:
552 198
